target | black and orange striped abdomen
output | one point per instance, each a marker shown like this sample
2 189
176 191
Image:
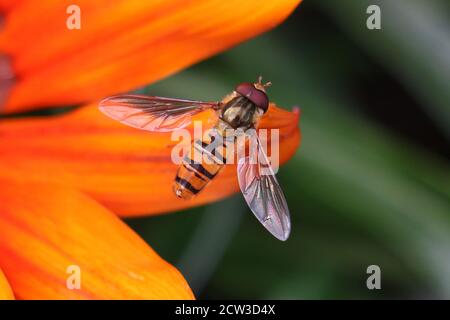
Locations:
197 170
207 157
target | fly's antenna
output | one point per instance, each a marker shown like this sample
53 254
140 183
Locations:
259 85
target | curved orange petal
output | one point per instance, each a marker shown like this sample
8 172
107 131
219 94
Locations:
128 170
5 290
6 5
122 44
44 230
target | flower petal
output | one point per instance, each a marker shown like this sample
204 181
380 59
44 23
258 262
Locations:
128 170
5 290
122 44
44 230
6 5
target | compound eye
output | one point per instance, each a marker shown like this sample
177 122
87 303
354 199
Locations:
258 97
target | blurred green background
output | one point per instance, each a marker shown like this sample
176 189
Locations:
371 181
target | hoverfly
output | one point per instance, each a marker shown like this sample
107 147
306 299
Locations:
241 109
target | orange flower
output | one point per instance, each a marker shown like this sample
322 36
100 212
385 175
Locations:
5 289
63 179
87 150
46 229
121 44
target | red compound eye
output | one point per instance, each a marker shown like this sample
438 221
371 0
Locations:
258 97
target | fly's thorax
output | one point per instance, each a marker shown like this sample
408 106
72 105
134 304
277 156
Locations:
239 112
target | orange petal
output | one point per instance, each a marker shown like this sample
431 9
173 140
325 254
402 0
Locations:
122 44
47 230
5 290
6 5
128 170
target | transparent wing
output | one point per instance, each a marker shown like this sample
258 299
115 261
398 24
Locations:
157 114
263 193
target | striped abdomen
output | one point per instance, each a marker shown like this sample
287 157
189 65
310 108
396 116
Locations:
197 169
194 174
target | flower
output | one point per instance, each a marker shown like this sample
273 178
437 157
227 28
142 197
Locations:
48 228
121 45
64 179
88 151
5 290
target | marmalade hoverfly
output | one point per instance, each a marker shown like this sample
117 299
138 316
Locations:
240 109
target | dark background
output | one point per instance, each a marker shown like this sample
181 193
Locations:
370 183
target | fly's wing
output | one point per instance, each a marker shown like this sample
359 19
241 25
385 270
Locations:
156 114
263 193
